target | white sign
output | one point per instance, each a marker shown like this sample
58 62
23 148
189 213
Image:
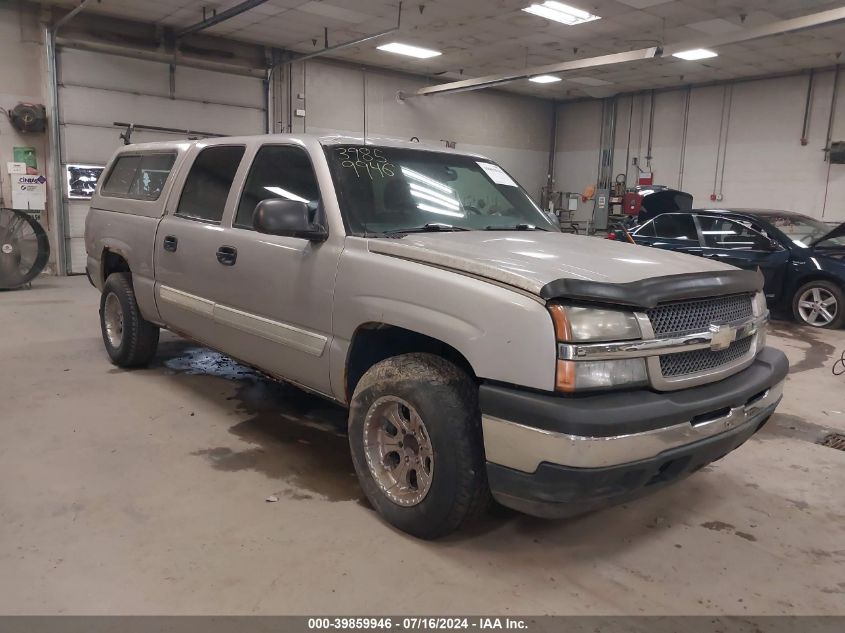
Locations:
29 192
497 174
16 168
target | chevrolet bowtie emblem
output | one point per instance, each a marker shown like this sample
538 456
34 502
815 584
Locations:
721 336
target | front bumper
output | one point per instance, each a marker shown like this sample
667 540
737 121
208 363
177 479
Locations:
556 456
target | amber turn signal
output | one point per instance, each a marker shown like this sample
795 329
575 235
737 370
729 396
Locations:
563 331
565 376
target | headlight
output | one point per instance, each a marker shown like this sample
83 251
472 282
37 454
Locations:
575 324
594 325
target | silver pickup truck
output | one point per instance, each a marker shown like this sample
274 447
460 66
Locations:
478 349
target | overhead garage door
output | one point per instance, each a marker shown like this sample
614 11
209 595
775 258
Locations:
96 90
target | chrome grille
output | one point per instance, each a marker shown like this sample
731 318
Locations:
696 315
701 360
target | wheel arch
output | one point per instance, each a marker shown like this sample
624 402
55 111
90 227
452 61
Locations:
819 275
112 260
376 341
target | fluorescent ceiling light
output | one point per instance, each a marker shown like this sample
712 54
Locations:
560 12
544 79
284 193
407 49
695 53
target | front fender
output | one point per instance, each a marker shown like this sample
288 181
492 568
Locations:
505 335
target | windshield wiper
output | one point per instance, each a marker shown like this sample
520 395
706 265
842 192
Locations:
431 227
515 227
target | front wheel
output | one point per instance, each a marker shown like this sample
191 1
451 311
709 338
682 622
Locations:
130 339
819 304
415 437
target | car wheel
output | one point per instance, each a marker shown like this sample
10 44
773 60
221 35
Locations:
416 442
130 339
819 304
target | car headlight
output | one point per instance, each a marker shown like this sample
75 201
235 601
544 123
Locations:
594 325
576 324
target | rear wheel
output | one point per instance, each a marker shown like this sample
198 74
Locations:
415 437
819 304
130 339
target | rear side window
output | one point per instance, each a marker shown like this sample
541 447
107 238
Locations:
676 226
208 183
278 171
138 176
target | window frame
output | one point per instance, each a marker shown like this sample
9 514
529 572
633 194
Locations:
187 175
140 154
255 151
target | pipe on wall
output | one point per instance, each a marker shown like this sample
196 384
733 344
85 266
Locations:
648 156
832 115
59 213
628 147
719 141
687 101
57 202
805 126
725 144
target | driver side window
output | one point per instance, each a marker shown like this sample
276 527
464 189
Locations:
278 171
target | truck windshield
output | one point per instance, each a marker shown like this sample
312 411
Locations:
386 190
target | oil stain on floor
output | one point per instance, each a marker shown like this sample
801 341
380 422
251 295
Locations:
817 353
296 438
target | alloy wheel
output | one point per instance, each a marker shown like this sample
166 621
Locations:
817 306
398 449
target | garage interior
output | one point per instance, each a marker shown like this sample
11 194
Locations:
199 486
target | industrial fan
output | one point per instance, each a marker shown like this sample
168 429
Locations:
24 249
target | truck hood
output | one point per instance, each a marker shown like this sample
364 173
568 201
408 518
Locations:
531 259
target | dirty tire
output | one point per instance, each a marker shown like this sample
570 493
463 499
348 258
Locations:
139 337
446 399
828 290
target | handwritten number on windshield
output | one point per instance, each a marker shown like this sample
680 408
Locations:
368 161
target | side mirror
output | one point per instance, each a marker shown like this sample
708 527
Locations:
774 245
277 216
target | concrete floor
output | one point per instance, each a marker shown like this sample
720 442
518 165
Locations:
144 492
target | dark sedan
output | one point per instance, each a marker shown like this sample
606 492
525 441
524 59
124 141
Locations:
801 258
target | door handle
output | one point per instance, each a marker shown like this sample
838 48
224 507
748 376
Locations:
170 243
227 255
